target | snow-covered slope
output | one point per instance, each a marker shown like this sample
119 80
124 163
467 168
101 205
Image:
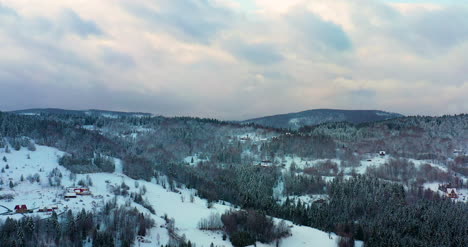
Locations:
176 205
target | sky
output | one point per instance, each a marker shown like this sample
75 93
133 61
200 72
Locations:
235 59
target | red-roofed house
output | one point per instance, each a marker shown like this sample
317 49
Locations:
452 193
21 209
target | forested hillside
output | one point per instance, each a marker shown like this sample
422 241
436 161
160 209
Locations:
328 176
313 117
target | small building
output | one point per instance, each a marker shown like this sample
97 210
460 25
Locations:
452 193
70 195
382 153
21 209
46 209
266 163
82 191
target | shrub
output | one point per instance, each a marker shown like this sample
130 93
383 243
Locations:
241 239
258 226
212 223
345 242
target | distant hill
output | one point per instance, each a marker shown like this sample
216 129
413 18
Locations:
318 116
93 112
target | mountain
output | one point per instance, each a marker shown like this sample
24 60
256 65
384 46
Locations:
92 112
318 116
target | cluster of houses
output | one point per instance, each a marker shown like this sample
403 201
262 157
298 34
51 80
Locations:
23 209
74 192
70 193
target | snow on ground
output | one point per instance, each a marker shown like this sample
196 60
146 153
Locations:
30 114
302 163
254 137
135 132
305 199
309 237
376 160
419 163
89 127
178 206
434 186
462 195
118 169
196 159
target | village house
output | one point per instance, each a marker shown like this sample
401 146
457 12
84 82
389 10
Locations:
45 209
50 208
382 153
452 193
21 209
82 191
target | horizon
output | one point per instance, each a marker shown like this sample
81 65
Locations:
228 120
241 59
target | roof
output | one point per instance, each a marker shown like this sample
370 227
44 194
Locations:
451 190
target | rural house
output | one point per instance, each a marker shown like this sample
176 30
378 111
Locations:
21 209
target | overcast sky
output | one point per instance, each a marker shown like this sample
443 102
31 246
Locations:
235 59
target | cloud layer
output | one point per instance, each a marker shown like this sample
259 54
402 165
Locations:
234 59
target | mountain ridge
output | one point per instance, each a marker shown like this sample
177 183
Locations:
77 112
297 120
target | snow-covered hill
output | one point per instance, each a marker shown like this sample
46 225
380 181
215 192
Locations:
318 116
26 174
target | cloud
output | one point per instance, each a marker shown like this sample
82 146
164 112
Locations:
6 11
67 22
318 32
438 30
83 97
256 53
110 56
192 20
71 21
367 93
234 60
